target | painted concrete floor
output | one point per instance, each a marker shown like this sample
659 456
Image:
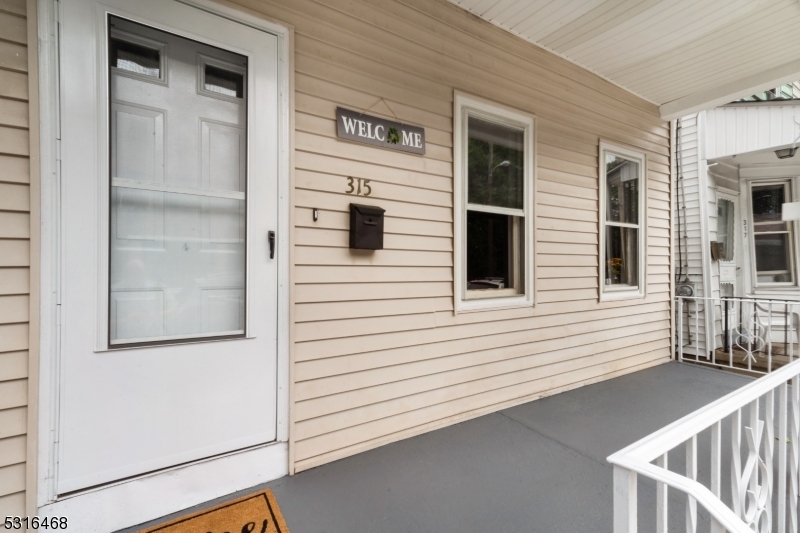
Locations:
537 467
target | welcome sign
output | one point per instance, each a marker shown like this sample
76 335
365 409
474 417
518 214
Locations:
358 127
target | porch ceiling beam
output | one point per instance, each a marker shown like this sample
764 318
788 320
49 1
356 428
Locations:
693 103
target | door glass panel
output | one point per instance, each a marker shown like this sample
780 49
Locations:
496 164
222 81
135 57
178 227
622 182
725 222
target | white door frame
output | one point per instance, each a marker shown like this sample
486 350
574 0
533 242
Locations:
141 498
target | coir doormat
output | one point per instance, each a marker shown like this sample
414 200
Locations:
257 513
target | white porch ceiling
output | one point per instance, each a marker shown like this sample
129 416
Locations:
683 55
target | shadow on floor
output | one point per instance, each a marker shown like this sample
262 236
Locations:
537 467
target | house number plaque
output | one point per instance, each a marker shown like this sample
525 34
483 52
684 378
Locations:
366 129
354 186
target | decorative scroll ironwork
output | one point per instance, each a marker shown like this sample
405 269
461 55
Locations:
751 334
765 470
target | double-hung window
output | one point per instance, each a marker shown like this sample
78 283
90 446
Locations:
622 221
772 237
494 205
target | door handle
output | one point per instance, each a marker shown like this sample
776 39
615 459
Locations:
271 239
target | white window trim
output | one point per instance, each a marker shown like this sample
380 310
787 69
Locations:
619 292
767 287
466 105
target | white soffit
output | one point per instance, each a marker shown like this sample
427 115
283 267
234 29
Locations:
683 55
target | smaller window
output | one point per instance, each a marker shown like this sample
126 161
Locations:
134 57
221 79
224 82
772 237
622 235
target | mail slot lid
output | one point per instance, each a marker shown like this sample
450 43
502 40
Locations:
366 227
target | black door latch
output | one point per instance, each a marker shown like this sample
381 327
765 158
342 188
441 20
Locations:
271 238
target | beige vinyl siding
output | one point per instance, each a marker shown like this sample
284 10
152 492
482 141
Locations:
692 227
15 232
378 353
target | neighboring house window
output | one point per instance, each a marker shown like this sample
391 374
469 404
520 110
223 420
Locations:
494 205
622 217
725 224
772 237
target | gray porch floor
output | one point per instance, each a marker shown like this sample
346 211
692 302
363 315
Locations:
537 467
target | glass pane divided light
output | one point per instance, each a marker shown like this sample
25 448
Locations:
495 209
178 204
725 227
622 222
771 235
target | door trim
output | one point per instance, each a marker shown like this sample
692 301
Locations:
44 392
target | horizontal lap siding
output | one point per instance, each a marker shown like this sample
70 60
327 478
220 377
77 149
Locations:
688 257
378 353
14 254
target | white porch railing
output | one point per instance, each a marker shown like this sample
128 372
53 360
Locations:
754 335
763 466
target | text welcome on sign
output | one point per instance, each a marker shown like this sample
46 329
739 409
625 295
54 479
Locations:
358 127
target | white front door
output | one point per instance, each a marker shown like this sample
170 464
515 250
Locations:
168 197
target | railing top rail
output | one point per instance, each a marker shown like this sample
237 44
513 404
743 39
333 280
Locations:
739 298
656 444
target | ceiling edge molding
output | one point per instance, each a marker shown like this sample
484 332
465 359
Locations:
786 73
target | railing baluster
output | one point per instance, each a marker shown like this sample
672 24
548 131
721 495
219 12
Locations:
713 332
625 501
716 459
791 332
769 450
782 436
753 420
794 454
691 473
680 329
696 330
736 464
750 335
726 331
730 342
662 499
769 338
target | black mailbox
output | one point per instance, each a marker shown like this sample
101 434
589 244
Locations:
366 227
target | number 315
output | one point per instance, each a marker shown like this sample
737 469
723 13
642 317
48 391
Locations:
350 183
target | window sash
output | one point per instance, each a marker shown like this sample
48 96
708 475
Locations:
514 245
620 290
789 231
496 210
624 225
521 252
